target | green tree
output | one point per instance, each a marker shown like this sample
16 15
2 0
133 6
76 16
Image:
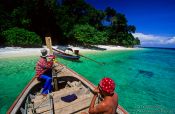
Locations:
21 37
131 28
88 35
19 16
120 33
136 41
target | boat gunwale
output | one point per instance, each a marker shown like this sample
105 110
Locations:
20 95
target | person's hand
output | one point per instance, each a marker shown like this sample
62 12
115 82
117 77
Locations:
52 59
50 63
96 90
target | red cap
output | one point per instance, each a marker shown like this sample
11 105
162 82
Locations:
107 85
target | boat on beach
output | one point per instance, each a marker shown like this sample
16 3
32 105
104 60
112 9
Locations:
71 94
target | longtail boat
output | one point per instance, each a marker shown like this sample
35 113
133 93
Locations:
64 55
66 82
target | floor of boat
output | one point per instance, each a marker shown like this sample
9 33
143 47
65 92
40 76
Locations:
41 104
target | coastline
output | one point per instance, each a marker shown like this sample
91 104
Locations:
8 52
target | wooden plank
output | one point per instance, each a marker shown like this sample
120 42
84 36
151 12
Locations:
67 108
49 44
56 95
55 84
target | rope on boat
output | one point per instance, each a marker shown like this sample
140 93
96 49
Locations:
42 102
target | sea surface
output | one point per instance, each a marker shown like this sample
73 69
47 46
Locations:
145 78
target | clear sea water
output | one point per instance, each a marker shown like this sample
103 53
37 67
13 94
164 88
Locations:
145 78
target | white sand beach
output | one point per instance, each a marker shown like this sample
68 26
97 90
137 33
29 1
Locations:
18 51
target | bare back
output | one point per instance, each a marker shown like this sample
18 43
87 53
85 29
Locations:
109 104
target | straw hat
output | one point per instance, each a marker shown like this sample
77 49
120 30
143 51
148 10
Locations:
43 53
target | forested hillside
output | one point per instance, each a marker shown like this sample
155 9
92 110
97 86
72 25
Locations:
26 22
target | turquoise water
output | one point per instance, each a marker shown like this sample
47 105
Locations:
145 78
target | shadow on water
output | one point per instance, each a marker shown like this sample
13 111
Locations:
118 61
145 73
132 58
130 68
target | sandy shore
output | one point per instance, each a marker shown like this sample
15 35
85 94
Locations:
18 51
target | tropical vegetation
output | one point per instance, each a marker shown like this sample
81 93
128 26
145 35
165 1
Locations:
26 23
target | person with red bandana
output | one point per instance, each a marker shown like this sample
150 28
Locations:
44 71
109 103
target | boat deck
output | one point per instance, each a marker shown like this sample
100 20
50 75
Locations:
41 104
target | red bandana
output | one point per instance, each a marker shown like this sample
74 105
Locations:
107 85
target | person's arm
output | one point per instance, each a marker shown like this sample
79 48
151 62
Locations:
43 63
96 91
100 107
42 66
91 108
49 64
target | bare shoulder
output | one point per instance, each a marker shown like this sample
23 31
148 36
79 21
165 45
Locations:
115 99
104 104
107 102
115 96
102 107
111 101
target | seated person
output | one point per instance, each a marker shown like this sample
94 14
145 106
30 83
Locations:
44 71
109 103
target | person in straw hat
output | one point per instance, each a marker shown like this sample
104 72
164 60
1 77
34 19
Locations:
43 71
109 103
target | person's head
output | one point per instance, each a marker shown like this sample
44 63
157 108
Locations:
44 53
107 86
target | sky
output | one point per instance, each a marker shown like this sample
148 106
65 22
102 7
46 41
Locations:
154 19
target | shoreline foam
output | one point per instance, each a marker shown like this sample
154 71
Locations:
18 51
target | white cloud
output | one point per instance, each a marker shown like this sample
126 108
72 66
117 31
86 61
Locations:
171 41
151 40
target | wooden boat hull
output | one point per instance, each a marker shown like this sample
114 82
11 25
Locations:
64 75
67 56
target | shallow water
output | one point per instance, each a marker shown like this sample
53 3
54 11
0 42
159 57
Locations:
15 73
145 78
